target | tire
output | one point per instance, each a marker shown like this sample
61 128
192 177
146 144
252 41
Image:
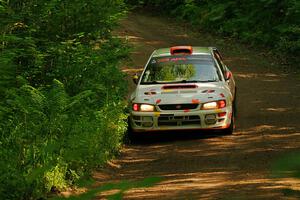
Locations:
130 135
230 129
235 104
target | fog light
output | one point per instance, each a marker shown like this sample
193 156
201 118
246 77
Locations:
147 121
147 124
136 118
138 123
210 119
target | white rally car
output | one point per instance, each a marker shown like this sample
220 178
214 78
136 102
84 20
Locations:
183 88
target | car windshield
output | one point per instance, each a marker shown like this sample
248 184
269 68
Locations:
180 69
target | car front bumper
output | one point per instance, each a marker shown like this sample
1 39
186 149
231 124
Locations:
181 120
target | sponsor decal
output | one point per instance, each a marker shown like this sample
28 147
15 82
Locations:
169 60
150 93
195 101
168 90
156 114
208 91
158 101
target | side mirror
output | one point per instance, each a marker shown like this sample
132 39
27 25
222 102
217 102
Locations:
228 75
135 79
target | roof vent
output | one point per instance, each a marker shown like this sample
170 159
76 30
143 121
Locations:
181 50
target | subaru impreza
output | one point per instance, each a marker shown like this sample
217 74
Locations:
184 88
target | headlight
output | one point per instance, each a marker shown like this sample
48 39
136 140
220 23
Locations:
143 107
146 108
214 105
210 105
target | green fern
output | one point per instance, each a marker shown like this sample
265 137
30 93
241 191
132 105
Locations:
54 88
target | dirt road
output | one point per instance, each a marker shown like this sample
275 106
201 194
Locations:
200 165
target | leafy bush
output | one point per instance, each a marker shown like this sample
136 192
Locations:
61 92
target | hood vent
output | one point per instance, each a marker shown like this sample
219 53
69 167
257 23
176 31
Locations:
171 87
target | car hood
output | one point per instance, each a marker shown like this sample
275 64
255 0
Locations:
181 93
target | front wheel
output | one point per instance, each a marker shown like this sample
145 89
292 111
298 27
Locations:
230 129
235 104
130 136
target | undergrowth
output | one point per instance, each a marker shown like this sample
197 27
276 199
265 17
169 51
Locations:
61 93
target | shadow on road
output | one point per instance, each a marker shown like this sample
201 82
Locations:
151 138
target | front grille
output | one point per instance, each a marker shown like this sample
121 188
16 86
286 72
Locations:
177 106
170 120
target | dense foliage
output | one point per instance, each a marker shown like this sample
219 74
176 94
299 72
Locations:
61 92
274 23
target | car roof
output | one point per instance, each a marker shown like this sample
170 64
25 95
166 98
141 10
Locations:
196 51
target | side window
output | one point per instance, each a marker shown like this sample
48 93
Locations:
219 58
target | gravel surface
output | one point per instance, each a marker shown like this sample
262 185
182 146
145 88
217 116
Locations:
201 165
